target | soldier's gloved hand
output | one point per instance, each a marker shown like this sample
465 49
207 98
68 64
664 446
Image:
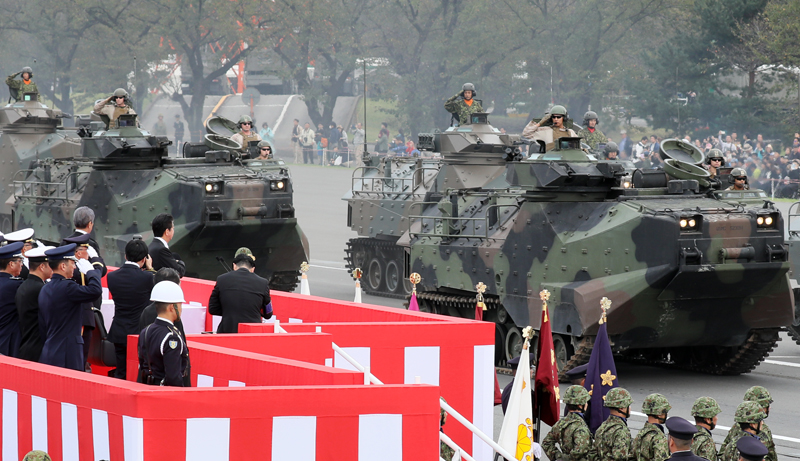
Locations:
92 252
544 119
84 266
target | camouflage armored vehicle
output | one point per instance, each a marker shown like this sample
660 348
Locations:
793 243
219 200
384 192
30 131
696 281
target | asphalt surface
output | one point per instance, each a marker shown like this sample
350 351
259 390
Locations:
322 215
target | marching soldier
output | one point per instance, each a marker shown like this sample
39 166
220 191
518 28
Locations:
463 105
748 418
705 411
651 443
612 440
760 395
571 433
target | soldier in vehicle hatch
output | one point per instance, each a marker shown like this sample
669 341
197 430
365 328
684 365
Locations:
25 85
112 107
549 132
463 105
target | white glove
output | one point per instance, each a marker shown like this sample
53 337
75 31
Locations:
92 252
84 266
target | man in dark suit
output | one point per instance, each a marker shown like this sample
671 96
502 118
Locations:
83 220
240 296
60 303
28 304
130 288
163 231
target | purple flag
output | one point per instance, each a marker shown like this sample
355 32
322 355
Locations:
412 304
601 377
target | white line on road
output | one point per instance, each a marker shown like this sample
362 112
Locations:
726 428
283 112
786 364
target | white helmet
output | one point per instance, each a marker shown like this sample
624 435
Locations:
167 292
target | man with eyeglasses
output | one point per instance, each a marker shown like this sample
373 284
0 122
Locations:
246 133
113 106
264 151
10 267
550 128
739 178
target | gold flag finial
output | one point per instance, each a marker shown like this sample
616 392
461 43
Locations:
544 295
481 288
414 278
304 267
605 304
357 273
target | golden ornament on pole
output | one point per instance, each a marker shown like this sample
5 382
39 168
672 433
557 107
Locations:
357 273
414 278
481 288
605 305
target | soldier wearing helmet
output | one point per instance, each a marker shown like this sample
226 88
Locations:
265 151
113 106
714 161
590 134
463 104
650 443
705 411
761 396
25 85
246 133
612 151
612 440
550 128
571 433
749 418
739 180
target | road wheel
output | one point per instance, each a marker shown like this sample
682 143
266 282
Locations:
393 276
563 350
513 342
374 275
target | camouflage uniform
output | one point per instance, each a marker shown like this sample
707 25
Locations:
651 443
571 433
36 455
460 108
613 440
21 86
592 139
702 443
746 412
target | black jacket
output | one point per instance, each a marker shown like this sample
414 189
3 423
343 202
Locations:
130 288
239 296
162 257
9 318
149 316
27 300
162 347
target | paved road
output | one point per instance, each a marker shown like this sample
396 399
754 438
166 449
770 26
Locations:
322 215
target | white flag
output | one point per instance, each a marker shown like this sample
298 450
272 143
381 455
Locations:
516 435
304 288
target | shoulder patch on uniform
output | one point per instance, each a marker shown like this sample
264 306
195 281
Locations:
173 344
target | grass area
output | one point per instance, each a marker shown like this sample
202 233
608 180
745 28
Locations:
377 112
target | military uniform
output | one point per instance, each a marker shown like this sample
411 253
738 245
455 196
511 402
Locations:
729 452
650 443
461 109
572 435
163 351
244 140
112 111
612 440
21 86
703 444
728 447
10 333
592 138
681 429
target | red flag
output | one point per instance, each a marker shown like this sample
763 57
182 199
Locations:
546 384
498 394
479 310
412 304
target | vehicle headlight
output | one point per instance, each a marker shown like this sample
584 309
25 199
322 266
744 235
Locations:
767 221
277 185
690 223
213 188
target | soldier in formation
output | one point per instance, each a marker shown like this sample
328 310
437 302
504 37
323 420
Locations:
650 443
613 437
570 439
463 104
705 411
22 86
590 134
752 423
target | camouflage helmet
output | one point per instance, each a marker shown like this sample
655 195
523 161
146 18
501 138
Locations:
705 407
120 92
28 70
590 115
468 87
617 398
655 404
758 394
558 110
37 455
738 173
749 412
612 147
576 395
